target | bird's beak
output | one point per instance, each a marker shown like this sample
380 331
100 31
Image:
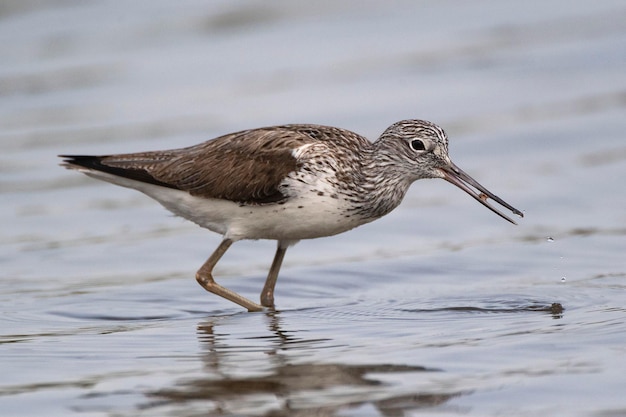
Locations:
458 177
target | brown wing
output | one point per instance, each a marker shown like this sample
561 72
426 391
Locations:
245 167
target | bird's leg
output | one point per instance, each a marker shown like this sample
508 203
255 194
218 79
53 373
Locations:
205 278
267 295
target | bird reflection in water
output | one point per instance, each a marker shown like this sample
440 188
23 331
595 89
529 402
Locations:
282 384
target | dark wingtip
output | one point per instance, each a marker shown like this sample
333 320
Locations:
94 163
85 161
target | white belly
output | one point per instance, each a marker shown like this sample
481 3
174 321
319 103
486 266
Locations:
298 218
307 216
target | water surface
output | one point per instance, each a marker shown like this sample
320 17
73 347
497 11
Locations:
440 308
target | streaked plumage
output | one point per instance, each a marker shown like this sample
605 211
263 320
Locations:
285 183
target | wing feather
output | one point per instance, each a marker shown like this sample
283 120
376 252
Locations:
246 167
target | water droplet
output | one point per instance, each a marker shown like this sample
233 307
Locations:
550 239
562 279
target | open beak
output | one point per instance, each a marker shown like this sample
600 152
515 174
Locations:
458 177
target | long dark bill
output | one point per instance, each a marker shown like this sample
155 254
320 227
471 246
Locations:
458 177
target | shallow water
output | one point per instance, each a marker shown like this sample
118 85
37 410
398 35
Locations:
440 308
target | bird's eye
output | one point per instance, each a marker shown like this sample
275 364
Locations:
418 145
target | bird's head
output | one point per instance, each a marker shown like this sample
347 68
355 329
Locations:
419 149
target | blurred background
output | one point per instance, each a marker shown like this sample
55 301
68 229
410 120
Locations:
101 314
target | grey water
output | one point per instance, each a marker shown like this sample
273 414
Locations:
440 308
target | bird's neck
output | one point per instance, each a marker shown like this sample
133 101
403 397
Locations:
383 185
